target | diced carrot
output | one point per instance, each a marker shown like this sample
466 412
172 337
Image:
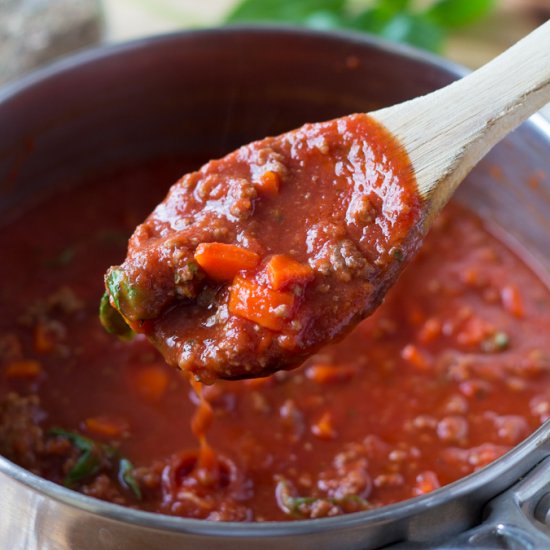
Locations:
268 183
415 357
223 261
287 341
259 304
511 300
324 428
329 374
426 482
415 315
282 271
44 339
151 382
24 368
430 331
106 426
257 383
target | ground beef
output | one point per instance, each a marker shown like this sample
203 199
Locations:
21 437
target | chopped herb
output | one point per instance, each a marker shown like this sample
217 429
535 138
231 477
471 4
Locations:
397 253
297 506
89 462
112 320
125 297
193 267
93 458
126 477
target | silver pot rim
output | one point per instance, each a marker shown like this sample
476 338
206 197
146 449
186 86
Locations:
533 444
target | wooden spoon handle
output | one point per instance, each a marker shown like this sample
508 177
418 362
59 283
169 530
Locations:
447 132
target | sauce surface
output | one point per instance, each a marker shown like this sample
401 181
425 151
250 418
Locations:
448 374
256 260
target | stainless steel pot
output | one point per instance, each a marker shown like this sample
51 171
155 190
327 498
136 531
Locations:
214 90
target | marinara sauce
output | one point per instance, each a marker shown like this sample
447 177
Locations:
451 371
254 261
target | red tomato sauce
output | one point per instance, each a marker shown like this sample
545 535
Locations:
448 374
256 260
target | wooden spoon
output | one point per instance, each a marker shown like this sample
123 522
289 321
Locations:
447 132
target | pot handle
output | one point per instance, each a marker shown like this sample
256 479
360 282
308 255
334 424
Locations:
517 519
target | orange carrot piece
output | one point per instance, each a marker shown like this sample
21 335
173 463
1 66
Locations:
426 482
282 271
24 368
324 427
223 261
106 426
329 374
151 382
415 357
430 331
44 340
259 304
511 300
268 183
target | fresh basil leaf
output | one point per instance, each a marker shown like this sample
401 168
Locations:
458 13
126 477
291 11
112 320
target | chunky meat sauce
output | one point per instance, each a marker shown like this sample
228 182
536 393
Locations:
452 371
254 261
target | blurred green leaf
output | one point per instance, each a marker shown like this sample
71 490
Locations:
294 11
325 20
414 29
396 20
393 5
458 13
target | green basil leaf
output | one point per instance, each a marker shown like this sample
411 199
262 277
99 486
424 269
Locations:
127 479
291 11
458 13
112 320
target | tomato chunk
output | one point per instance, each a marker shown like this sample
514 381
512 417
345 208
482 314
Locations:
260 304
282 271
223 261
